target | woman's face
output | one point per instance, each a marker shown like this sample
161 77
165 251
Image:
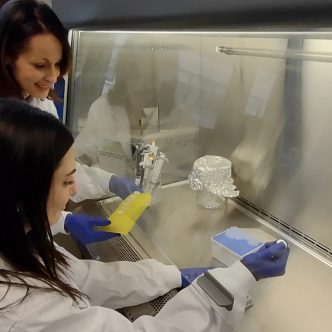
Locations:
37 68
63 186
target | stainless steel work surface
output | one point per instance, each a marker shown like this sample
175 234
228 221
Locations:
299 301
261 99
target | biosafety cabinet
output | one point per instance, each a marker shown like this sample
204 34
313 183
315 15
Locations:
261 99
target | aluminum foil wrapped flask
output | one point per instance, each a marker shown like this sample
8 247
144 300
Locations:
211 177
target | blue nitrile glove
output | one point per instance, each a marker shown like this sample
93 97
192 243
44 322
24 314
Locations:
81 227
122 187
269 261
190 274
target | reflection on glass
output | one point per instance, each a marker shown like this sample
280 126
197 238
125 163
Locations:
266 109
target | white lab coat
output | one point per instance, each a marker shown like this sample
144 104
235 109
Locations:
106 137
111 286
87 187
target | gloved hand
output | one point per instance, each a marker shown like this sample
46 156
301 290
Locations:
122 187
81 227
269 261
190 274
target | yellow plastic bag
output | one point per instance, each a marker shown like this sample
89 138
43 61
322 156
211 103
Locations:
125 216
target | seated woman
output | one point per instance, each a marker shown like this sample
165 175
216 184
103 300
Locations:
45 288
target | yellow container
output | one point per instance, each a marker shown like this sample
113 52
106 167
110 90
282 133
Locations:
125 216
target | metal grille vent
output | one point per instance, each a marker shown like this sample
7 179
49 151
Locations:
92 253
151 308
123 250
159 302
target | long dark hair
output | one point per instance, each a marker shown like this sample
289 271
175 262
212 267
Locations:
32 144
19 21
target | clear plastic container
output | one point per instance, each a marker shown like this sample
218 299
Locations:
125 216
234 243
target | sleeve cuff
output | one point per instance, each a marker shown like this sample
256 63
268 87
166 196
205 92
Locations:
167 276
92 183
175 275
59 227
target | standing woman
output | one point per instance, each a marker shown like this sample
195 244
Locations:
34 54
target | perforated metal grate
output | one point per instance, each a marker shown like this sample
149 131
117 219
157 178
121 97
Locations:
159 302
123 250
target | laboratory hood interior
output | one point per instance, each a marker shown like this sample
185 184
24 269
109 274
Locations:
261 99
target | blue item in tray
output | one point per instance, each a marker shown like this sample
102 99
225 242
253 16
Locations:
237 240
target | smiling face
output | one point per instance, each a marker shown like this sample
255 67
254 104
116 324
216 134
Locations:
63 186
38 67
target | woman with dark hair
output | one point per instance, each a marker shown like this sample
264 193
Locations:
45 288
34 53
37 179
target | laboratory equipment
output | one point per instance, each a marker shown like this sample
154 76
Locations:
266 261
124 217
149 163
284 243
211 178
234 243
262 109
